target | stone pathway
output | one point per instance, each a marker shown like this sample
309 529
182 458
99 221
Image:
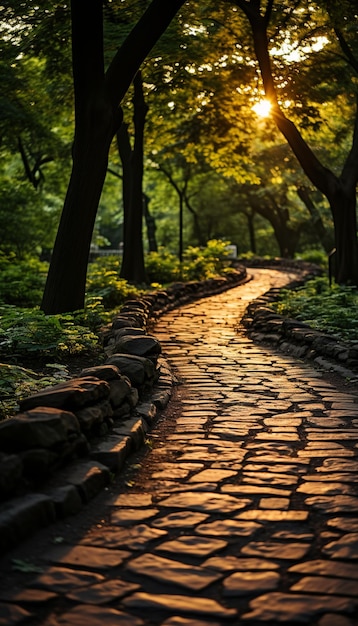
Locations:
244 512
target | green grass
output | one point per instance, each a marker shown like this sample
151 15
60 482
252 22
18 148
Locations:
333 310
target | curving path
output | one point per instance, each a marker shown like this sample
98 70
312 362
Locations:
244 512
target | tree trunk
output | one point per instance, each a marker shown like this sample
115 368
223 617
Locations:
65 286
288 241
250 224
340 191
197 231
150 224
323 236
95 122
98 95
286 237
181 226
343 207
133 268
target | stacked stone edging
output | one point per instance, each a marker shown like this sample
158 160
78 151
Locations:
298 338
67 440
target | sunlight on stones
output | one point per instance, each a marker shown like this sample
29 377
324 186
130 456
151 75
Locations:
251 582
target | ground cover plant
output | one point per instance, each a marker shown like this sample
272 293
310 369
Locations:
331 309
38 350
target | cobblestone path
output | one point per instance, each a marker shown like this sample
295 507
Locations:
244 512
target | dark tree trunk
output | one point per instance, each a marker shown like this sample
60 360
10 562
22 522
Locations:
343 206
324 237
133 268
150 224
95 124
250 224
181 226
68 267
287 238
125 154
197 231
340 191
97 119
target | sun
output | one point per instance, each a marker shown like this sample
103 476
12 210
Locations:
262 108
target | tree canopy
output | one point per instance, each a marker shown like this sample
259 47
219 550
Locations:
211 165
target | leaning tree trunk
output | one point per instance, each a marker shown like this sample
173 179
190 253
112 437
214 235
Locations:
125 155
98 94
338 190
68 267
287 239
197 231
95 122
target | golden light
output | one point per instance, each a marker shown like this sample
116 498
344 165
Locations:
262 108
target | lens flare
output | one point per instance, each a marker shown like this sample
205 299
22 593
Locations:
262 108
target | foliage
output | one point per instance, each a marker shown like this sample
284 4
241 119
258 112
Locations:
162 267
331 310
205 262
103 282
18 382
22 282
25 221
199 263
319 257
29 332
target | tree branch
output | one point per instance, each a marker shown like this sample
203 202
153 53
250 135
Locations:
137 45
114 173
25 161
87 49
319 175
349 56
268 12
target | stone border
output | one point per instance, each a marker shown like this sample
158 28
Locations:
78 480
298 338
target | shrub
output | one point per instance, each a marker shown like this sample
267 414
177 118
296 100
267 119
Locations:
22 282
104 283
199 263
319 257
162 267
202 263
29 332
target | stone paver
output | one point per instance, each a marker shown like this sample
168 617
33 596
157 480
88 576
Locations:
244 511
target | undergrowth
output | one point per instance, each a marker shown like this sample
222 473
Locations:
332 310
35 346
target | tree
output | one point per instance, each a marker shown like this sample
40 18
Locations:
98 94
340 190
133 268
34 147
